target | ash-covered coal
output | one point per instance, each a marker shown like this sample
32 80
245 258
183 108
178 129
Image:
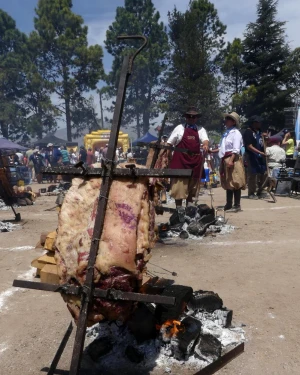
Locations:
198 337
194 222
8 227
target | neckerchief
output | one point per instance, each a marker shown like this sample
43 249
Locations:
191 126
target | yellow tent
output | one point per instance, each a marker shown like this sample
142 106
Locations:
99 138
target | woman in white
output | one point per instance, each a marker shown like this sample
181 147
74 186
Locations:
232 172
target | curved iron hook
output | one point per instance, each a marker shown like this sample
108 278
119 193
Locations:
138 51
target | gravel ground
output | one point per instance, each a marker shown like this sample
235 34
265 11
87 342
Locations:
255 270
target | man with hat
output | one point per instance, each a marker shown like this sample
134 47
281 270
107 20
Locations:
255 158
187 136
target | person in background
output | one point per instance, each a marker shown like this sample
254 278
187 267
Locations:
289 144
21 157
232 172
72 157
187 136
82 154
129 154
97 155
104 152
65 155
30 164
255 158
90 156
38 162
275 154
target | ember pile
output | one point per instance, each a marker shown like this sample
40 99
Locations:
193 222
161 338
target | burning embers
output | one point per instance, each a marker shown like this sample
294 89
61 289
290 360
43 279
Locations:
193 333
193 222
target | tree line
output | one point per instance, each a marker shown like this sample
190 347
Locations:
50 73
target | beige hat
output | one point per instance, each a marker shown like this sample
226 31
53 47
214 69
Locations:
234 116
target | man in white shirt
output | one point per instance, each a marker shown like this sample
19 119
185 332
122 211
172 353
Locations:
187 136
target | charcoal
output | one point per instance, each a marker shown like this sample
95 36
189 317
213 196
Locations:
197 229
206 219
184 235
208 301
99 347
142 324
186 338
204 209
176 228
182 294
191 211
133 354
177 216
208 347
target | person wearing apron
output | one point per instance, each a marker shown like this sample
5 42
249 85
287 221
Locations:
188 137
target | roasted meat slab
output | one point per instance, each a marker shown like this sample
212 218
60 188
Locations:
124 248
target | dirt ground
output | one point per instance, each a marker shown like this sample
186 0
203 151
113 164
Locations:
255 270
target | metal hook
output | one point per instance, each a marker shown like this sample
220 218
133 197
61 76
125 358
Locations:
138 51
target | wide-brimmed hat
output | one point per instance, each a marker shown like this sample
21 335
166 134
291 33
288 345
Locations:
192 111
234 116
49 144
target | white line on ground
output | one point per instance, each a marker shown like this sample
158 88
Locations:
270 208
235 243
10 291
18 248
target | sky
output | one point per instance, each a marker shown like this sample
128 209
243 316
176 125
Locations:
99 14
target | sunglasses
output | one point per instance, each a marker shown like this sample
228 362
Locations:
191 116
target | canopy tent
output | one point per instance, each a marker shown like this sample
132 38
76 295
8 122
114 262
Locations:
147 138
7 145
50 138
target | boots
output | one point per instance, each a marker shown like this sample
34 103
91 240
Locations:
230 194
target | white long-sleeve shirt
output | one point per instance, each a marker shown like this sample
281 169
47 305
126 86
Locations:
233 143
178 132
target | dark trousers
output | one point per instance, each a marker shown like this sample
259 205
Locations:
236 194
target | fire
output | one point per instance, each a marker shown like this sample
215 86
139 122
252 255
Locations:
170 328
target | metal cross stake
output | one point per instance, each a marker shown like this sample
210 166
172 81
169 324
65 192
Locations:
108 172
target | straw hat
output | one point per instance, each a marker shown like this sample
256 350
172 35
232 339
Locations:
234 116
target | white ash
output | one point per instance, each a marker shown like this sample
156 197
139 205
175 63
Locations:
158 355
3 206
8 227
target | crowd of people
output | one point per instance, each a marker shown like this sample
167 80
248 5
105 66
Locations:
52 156
245 159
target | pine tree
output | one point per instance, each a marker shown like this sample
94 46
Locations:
12 83
144 92
266 55
196 38
65 61
233 70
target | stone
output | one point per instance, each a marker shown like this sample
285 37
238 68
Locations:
184 235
